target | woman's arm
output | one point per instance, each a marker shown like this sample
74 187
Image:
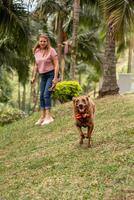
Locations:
56 69
35 70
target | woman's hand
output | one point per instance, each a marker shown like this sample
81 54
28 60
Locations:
55 81
33 80
34 73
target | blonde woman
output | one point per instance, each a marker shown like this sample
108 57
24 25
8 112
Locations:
46 64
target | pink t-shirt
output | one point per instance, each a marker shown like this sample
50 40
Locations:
45 63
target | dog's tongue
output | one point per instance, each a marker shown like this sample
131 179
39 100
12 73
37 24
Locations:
81 111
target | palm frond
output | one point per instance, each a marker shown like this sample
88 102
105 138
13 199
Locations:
88 18
50 7
10 59
87 2
68 24
88 48
119 14
13 21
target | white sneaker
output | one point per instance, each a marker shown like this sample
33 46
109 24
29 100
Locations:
47 121
39 122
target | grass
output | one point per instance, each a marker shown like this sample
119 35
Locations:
47 163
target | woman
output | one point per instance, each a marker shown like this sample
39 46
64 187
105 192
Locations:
46 64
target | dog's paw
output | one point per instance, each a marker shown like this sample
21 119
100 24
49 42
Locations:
81 142
83 136
89 146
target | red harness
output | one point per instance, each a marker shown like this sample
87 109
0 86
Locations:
80 116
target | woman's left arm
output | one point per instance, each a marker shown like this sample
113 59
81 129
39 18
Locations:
56 69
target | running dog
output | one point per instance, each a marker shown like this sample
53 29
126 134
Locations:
84 110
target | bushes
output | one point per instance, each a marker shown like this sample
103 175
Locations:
9 114
65 90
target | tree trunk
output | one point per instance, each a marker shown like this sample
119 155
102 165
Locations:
80 75
76 12
95 88
24 97
133 61
130 55
19 95
62 67
30 98
59 38
129 68
109 85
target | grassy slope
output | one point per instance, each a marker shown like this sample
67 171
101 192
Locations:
47 163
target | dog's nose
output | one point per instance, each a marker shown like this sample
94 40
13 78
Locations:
80 106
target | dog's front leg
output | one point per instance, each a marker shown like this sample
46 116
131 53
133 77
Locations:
81 134
89 133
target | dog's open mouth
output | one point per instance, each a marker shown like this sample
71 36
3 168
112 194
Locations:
81 108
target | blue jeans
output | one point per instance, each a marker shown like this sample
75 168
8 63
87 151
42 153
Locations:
45 94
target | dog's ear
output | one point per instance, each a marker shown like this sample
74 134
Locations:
87 98
74 98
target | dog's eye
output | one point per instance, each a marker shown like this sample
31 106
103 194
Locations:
83 101
77 101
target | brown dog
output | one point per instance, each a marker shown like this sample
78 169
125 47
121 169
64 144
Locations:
84 109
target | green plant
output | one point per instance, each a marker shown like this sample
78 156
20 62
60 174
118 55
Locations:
9 114
65 90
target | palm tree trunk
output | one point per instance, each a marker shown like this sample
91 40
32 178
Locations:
19 95
24 97
76 12
130 54
62 67
109 85
129 68
59 39
60 43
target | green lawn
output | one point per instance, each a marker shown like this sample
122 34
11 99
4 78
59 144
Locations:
47 163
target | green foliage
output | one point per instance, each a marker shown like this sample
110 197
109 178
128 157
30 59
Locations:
15 42
88 45
9 114
5 87
65 90
120 14
12 59
93 76
13 21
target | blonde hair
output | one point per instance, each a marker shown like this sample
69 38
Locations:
37 46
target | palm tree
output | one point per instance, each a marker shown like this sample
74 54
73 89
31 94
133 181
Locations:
119 16
13 21
87 39
14 36
14 39
76 14
11 60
